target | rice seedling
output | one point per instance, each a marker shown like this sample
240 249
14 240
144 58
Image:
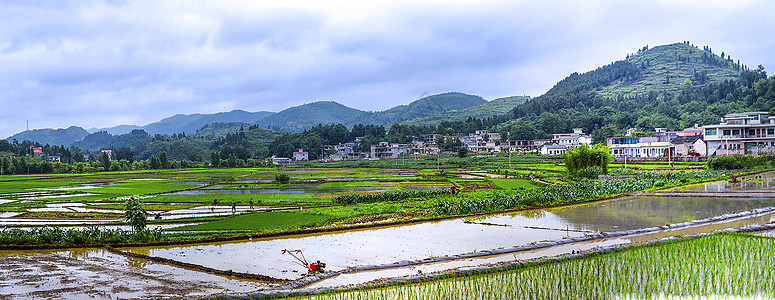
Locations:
725 265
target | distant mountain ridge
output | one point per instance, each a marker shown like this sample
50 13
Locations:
485 110
51 136
294 119
188 123
299 118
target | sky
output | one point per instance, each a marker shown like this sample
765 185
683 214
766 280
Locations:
98 64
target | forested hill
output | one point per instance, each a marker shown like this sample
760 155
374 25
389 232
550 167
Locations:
673 86
181 123
426 106
300 118
51 136
488 109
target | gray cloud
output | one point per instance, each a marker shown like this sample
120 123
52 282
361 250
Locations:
98 64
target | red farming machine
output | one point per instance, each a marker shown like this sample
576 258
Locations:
315 267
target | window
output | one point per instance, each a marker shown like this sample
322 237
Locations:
736 132
727 132
751 132
770 131
710 131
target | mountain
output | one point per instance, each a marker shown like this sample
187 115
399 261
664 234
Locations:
488 109
94 141
663 68
672 86
423 107
51 136
299 118
188 123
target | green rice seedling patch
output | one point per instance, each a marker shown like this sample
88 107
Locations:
262 222
717 266
244 199
25 186
347 184
21 205
517 184
71 215
146 206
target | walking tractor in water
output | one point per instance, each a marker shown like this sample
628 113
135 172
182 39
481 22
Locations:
315 267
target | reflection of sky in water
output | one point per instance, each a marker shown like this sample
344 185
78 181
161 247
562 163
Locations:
450 237
357 248
765 183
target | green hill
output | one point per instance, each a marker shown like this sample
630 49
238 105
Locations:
51 136
663 68
673 86
423 107
299 118
488 109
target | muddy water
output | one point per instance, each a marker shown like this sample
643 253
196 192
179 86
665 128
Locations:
95 273
450 237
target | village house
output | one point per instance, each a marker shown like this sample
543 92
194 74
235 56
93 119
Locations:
388 150
573 140
744 133
553 149
300 155
657 145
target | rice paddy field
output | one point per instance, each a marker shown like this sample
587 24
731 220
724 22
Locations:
306 211
718 266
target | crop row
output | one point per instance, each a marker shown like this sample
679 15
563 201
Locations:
86 236
571 192
719 266
386 196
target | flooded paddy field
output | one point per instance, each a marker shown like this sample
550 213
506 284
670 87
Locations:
369 254
415 242
96 273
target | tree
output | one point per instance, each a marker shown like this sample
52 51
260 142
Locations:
215 159
602 134
165 164
583 157
105 159
136 216
155 163
231 161
462 152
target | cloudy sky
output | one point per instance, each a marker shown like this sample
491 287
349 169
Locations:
106 63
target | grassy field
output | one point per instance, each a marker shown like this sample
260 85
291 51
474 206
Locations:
262 222
521 184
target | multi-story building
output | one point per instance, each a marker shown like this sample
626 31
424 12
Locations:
573 140
388 150
642 146
300 155
744 133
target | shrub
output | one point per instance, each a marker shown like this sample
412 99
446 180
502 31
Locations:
136 216
282 178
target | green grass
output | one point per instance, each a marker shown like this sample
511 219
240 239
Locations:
504 183
262 222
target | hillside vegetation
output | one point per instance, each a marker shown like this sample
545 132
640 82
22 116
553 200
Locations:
51 136
488 109
304 117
